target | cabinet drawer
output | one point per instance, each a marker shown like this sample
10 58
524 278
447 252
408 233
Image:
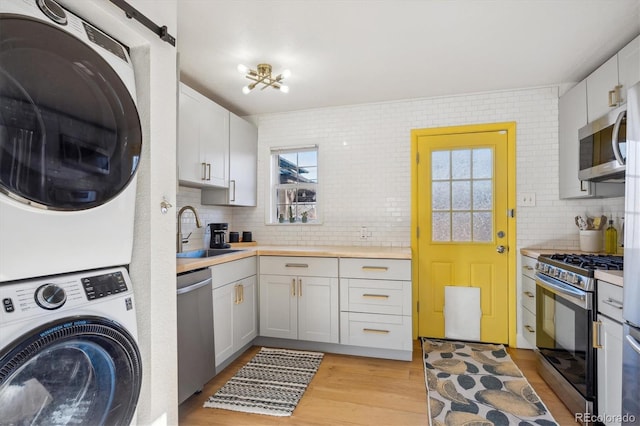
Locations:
529 326
299 266
233 271
610 300
529 293
376 269
529 266
376 331
375 296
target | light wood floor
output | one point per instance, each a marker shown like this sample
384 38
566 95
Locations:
349 390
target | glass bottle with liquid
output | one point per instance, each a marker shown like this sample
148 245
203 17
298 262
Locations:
611 239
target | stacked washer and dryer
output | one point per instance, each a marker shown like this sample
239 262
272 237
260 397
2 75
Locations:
70 144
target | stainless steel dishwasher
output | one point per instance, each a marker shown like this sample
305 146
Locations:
196 354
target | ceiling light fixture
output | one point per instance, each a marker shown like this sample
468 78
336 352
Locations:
263 76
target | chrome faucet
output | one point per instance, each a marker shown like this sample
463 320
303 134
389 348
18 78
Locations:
179 234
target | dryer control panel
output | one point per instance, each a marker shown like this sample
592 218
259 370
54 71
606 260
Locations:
104 285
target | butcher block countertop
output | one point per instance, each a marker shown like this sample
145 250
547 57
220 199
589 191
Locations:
613 277
188 264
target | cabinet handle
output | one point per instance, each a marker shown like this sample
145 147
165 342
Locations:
293 287
236 297
596 334
204 171
373 330
612 302
233 196
208 171
296 265
299 287
375 268
612 94
582 187
376 296
529 329
529 294
241 287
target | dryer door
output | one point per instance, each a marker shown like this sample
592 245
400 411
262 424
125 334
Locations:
80 370
70 136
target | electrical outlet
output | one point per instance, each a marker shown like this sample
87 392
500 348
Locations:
364 233
527 199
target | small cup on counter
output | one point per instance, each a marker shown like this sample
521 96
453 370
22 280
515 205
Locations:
234 237
247 237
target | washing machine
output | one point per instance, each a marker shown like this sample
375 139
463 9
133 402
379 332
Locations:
70 143
68 350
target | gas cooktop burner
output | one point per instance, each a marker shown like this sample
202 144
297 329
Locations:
590 261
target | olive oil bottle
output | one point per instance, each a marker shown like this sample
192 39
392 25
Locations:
611 239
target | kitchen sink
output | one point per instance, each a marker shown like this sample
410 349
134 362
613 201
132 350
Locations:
205 253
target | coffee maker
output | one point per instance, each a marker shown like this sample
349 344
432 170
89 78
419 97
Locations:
218 235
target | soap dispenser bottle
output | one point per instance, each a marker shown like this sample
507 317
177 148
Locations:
611 239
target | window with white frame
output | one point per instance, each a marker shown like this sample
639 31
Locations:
294 185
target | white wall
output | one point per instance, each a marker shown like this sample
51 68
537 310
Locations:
153 264
365 168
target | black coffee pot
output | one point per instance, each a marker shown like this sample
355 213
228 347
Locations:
218 235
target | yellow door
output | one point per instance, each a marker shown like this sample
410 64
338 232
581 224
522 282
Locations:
463 190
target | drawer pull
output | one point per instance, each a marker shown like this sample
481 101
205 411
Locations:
376 331
529 294
296 265
529 329
528 268
612 302
376 296
375 268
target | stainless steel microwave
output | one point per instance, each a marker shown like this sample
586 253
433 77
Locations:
603 147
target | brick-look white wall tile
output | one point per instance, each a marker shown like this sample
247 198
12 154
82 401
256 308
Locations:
365 168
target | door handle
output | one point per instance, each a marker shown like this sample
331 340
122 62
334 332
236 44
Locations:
501 249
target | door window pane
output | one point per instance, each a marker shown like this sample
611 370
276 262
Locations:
462 195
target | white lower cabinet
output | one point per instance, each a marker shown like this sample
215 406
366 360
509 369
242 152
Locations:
235 308
528 300
609 353
375 303
299 298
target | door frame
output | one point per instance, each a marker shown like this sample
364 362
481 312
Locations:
510 128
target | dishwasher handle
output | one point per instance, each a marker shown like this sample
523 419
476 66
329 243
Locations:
194 286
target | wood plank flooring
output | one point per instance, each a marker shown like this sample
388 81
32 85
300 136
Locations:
349 390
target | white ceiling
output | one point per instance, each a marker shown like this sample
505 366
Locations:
344 52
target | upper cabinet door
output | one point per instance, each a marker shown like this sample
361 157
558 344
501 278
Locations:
244 162
190 167
214 143
629 66
600 84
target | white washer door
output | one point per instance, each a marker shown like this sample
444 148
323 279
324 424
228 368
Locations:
70 136
80 370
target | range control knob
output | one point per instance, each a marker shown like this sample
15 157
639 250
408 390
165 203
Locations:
50 296
53 11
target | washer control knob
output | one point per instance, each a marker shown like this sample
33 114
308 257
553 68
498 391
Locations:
50 296
53 11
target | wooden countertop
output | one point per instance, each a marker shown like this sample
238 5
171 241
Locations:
188 264
613 277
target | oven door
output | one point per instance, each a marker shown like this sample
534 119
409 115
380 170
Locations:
564 315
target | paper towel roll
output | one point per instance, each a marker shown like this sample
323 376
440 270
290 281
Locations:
462 313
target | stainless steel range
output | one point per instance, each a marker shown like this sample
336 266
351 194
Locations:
565 312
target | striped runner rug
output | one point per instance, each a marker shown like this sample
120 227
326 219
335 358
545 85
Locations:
272 383
477 383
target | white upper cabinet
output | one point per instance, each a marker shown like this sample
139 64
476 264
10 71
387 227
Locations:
602 89
203 141
629 66
243 163
607 86
572 115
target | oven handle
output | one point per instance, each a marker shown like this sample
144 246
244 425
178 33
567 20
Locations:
633 342
567 292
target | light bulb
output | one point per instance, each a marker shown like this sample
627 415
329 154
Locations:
284 89
243 68
246 90
286 73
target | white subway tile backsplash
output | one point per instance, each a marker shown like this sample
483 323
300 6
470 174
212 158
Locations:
366 169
